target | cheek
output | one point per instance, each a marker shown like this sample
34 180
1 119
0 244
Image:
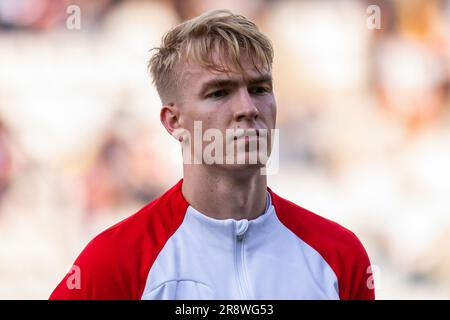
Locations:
191 112
216 114
269 108
209 117
274 112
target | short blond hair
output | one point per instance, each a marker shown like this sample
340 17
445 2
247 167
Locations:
232 36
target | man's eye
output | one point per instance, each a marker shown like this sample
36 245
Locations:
217 94
258 90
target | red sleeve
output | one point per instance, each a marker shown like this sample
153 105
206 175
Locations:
116 263
354 272
96 274
340 248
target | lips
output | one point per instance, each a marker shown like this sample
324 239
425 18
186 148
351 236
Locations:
249 133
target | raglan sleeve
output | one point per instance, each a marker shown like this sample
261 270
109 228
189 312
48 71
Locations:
358 282
95 275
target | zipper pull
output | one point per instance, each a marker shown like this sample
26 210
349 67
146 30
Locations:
241 228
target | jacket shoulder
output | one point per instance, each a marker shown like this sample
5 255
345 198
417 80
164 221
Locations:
115 264
339 247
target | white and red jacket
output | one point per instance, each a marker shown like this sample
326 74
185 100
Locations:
169 250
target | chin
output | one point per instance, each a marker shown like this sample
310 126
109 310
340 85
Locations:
242 167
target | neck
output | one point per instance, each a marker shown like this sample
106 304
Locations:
224 195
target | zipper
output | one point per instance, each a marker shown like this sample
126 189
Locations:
241 228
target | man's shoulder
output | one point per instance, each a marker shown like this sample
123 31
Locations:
329 238
339 246
115 264
309 224
154 222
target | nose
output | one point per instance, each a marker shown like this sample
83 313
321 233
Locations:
244 107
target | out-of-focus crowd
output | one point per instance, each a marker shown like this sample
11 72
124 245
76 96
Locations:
363 115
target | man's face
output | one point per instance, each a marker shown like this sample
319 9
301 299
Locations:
224 101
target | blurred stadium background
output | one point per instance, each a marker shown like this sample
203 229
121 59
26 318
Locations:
363 116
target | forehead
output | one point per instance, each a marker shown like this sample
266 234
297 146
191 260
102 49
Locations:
195 75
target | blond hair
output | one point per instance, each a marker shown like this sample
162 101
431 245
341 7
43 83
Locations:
232 36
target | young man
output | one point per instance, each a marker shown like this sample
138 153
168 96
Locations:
220 232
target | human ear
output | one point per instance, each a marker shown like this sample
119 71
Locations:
170 117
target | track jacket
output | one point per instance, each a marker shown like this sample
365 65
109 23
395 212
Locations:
169 250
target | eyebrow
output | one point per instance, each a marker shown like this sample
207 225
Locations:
215 83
